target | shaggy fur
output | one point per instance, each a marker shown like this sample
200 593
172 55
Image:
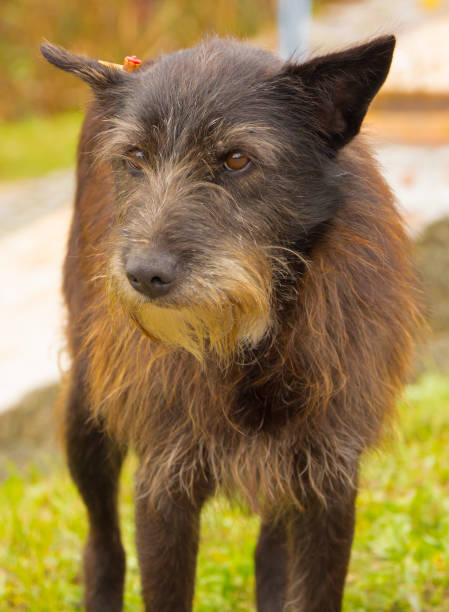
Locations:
277 357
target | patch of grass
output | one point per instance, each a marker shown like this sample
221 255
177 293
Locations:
400 559
34 146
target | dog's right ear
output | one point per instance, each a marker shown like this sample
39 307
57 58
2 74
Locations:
340 86
98 75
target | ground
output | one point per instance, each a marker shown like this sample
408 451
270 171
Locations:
400 559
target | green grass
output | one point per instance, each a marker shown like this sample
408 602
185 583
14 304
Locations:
400 559
34 146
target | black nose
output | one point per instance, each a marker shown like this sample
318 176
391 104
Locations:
152 274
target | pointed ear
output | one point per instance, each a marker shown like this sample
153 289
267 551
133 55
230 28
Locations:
97 74
340 86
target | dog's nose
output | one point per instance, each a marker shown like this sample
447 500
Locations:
152 274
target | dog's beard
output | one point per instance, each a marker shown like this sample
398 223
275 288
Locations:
225 312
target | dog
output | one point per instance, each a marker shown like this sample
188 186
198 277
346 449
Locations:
242 307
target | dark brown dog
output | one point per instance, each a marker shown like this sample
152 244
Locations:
241 310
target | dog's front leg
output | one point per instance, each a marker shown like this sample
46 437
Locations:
167 544
319 542
271 567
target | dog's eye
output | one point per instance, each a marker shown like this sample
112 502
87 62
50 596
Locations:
236 161
135 159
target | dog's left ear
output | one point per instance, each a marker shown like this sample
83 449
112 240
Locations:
100 76
340 86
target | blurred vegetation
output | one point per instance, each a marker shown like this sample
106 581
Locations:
400 559
109 30
34 146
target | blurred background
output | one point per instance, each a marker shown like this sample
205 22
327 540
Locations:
41 110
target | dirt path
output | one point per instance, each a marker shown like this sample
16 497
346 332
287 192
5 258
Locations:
24 201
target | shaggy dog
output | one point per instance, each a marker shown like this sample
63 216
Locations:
241 311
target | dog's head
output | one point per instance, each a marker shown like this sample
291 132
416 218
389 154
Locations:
225 161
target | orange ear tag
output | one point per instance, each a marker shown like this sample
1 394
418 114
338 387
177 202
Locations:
130 64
